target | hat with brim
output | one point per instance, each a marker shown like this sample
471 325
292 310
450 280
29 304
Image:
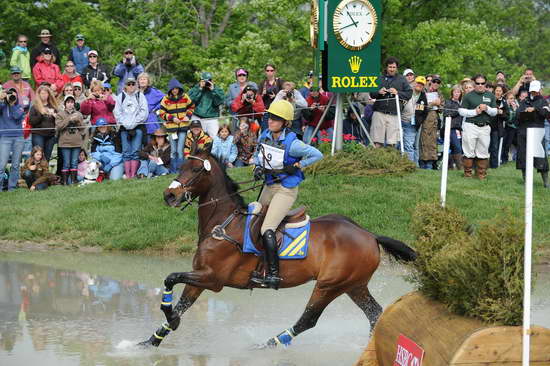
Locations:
107 86
160 132
130 80
206 76
45 33
535 86
129 50
78 84
67 97
15 70
195 123
436 77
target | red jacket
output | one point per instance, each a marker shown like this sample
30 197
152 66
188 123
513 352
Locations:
98 108
241 108
67 79
317 113
48 72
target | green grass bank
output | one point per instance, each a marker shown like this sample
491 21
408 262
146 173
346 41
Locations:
131 215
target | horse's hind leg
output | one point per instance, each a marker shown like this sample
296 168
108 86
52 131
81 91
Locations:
361 297
319 300
173 316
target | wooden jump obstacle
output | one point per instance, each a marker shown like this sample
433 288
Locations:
450 339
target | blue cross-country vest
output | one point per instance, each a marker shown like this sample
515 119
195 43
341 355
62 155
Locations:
287 181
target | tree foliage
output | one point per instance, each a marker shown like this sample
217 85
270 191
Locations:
183 37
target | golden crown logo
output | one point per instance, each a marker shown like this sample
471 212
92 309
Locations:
355 64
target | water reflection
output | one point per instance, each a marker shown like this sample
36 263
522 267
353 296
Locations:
50 316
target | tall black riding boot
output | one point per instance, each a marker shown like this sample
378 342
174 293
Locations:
545 179
270 246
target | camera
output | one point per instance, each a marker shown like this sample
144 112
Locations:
289 94
208 84
11 96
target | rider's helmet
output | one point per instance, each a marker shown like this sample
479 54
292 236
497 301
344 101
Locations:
282 109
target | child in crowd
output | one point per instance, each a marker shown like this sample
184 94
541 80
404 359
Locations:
245 141
223 147
36 172
69 125
82 165
510 129
155 157
107 149
196 139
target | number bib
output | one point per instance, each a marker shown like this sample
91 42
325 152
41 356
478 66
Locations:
274 157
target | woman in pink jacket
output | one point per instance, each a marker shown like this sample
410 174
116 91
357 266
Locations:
45 70
98 105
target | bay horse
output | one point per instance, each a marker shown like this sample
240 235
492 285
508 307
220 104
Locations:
342 255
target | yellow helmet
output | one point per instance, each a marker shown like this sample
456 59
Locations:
282 109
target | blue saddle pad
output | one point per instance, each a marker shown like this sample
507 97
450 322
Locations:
295 242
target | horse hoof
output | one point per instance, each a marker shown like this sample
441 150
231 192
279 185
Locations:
148 343
271 343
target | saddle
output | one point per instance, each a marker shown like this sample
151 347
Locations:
295 217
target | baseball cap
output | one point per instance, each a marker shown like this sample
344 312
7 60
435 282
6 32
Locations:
250 87
195 123
107 85
535 86
130 80
408 71
79 37
101 122
206 76
241 72
436 77
15 70
67 97
129 50
420 80
92 52
47 51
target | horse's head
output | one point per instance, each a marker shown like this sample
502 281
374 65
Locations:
194 179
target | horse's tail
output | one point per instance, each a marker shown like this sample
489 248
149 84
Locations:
396 248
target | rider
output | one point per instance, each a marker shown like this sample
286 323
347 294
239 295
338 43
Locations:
280 156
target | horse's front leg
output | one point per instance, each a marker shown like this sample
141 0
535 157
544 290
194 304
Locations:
196 282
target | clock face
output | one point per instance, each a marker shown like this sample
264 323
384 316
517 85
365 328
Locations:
355 23
314 24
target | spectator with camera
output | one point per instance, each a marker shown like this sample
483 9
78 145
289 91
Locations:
430 126
477 107
94 70
294 97
155 157
11 135
21 57
176 109
98 105
385 124
131 111
532 112
308 84
269 89
510 128
413 115
46 71
451 110
207 98
42 120
45 42
236 88
154 97
522 86
79 54
317 104
35 171
107 149
25 94
69 125
128 67
249 103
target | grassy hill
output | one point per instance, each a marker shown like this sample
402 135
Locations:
131 215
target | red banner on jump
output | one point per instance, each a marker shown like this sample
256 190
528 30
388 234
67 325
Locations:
408 353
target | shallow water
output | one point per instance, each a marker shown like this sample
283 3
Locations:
90 309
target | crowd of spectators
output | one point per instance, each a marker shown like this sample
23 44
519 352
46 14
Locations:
137 130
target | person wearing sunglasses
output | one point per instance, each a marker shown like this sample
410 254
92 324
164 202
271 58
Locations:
79 54
478 107
21 57
95 70
429 133
269 89
70 75
128 67
131 112
46 70
45 42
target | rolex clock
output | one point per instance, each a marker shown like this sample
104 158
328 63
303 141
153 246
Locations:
314 23
354 23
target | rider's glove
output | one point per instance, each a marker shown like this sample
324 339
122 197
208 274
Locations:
258 173
290 169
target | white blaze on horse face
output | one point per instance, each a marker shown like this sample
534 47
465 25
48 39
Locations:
175 184
207 165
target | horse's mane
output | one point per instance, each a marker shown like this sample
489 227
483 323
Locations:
230 185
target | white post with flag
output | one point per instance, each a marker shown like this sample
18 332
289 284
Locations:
445 166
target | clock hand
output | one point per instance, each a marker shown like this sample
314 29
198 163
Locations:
349 25
354 22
